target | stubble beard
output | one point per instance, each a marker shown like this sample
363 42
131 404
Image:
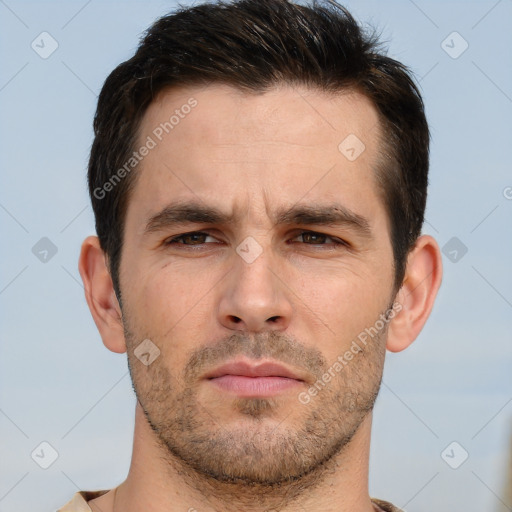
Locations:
259 452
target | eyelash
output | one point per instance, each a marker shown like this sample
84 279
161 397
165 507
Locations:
337 242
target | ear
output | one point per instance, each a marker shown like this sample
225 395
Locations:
422 280
100 294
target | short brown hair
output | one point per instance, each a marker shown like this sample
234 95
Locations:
254 45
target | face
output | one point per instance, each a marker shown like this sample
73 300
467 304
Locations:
256 252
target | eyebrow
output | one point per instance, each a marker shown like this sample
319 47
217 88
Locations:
199 213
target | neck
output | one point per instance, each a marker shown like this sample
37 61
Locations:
159 482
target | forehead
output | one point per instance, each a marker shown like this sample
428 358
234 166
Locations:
281 146
285 113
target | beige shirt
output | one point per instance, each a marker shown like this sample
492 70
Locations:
80 499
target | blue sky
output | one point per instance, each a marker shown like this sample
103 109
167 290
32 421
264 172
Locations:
58 384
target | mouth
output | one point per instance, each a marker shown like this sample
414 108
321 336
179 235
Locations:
249 379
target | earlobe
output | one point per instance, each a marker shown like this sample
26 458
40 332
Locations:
100 294
422 280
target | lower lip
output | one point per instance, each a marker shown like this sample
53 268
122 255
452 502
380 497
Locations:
254 386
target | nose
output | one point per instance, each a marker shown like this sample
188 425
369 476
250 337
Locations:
255 297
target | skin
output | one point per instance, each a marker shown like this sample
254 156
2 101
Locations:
301 302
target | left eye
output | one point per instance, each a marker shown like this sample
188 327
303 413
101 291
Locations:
314 238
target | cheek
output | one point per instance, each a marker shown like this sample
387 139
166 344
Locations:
168 301
341 305
161 309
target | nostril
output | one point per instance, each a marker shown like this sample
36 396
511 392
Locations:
273 319
235 319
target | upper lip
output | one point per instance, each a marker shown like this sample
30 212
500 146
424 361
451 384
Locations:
253 369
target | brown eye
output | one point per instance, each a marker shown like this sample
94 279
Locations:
195 238
310 237
314 238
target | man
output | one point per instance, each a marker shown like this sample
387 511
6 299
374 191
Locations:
259 178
